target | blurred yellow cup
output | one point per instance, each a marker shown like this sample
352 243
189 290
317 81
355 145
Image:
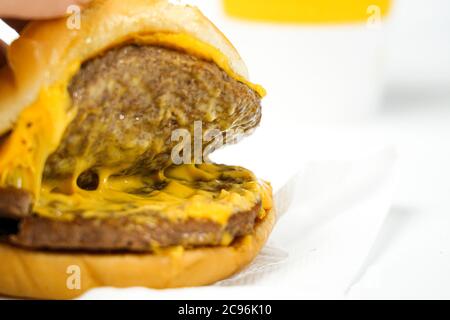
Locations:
308 11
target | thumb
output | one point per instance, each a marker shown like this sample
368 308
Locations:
36 9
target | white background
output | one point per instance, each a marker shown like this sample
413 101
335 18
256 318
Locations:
405 69
338 92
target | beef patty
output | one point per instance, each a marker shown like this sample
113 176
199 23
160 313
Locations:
132 98
129 101
122 234
73 228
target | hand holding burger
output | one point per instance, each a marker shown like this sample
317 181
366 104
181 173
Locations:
17 13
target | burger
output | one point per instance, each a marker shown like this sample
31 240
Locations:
90 194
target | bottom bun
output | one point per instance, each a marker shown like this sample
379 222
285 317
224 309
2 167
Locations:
56 275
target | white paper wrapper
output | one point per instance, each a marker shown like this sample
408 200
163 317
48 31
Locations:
329 217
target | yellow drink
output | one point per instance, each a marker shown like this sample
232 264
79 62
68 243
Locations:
307 11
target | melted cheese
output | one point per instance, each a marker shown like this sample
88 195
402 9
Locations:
36 135
214 192
189 191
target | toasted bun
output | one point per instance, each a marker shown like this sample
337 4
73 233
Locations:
46 275
46 49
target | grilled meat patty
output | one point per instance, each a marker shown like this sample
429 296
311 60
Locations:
121 234
132 98
14 203
141 229
129 101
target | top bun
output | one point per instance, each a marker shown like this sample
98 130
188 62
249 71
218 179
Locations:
46 49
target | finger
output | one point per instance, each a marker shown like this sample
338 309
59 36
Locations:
16 24
3 47
36 9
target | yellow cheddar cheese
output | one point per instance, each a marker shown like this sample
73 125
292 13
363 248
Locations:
39 131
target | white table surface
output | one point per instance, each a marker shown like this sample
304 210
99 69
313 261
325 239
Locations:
411 258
